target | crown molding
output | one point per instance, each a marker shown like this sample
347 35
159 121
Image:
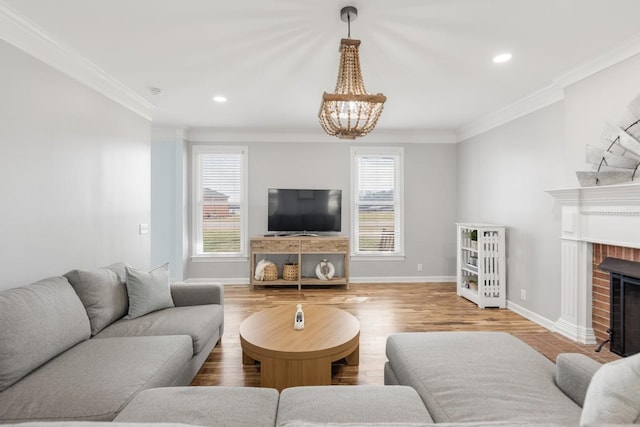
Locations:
625 51
17 30
550 94
378 136
527 105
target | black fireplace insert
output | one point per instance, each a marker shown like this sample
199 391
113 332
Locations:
624 309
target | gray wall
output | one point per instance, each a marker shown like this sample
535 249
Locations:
503 175
502 178
429 203
167 205
589 103
74 175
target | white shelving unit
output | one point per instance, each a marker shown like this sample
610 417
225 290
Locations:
481 266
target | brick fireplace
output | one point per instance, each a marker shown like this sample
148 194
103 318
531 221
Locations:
596 222
600 291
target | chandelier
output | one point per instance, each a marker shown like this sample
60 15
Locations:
350 111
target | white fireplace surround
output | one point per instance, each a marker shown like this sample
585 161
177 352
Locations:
608 215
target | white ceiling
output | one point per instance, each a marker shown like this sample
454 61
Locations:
274 58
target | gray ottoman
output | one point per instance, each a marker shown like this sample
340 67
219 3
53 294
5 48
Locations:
351 404
204 406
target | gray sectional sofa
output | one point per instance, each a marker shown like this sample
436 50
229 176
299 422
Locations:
70 354
67 352
493 377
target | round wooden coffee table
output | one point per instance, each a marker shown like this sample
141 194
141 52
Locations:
290 358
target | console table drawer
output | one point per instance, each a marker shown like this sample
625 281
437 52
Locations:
324 245
275 245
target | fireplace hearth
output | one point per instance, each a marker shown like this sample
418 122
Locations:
624 326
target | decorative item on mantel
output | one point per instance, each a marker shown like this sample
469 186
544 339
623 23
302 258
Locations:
350 111
619 162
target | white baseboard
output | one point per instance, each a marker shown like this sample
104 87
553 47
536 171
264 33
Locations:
403 279
376 280
528 314
224 281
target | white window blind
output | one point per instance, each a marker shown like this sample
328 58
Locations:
377 201
220 194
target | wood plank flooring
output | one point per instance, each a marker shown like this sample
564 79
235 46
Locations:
382 309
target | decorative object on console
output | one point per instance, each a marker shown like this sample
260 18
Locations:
619 162
325 270
350 112
290 271
266 270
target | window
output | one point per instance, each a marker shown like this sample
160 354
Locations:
220 189
377 208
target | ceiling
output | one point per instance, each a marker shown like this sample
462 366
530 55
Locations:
273 59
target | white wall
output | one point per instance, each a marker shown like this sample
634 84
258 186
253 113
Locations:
74 175
502 178
429 203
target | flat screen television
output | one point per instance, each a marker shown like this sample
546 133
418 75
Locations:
301 211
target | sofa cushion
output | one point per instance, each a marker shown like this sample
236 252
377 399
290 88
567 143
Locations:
94 424
95 379
613 396
103 293
480 376
353 404
38 322
204 406
299 423
573 374
198 321
148 292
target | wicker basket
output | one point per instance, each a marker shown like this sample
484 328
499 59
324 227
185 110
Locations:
270 272
290 272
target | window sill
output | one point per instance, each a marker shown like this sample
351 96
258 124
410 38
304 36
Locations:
219 258
372 257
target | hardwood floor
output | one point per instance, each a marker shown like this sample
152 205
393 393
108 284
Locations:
382 309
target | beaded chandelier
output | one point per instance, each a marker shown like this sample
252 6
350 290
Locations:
350 112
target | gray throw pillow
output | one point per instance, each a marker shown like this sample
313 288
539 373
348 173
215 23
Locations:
103 293
613 396
148 291
37 323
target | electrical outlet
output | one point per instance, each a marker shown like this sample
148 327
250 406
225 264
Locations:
419 267
523 294
143 229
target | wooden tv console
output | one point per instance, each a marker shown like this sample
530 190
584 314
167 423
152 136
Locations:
306 251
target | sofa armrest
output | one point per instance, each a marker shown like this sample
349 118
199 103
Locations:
573 374
185 294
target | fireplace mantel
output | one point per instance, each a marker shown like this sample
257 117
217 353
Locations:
606 214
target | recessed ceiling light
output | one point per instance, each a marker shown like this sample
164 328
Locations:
503 57
220 99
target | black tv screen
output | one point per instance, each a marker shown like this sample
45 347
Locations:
304 211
